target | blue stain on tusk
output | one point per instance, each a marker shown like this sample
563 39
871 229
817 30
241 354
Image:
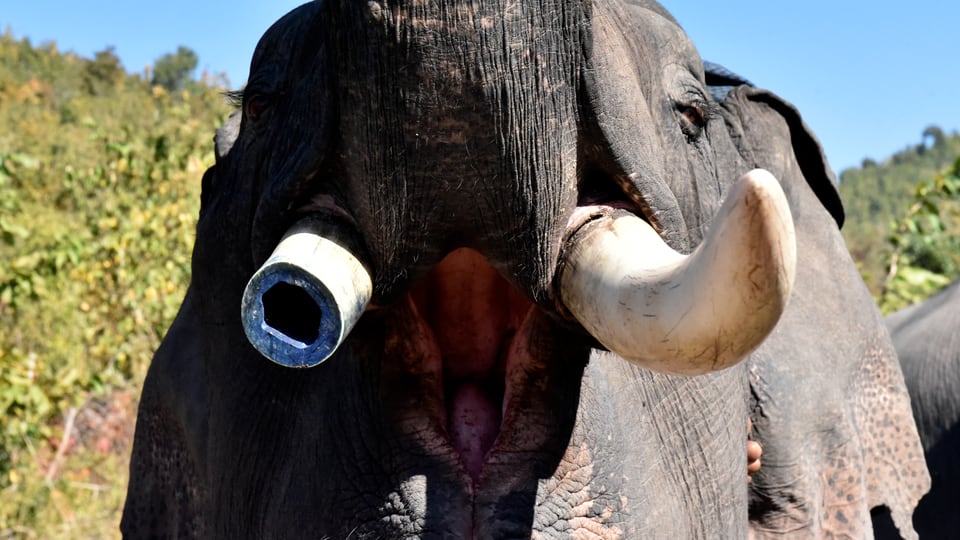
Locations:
290 317
303 302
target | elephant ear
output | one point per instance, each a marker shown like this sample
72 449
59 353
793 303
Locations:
720 80
223 142
828 400
227 135
804 148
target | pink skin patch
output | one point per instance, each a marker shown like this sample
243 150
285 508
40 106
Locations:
473 422
473 314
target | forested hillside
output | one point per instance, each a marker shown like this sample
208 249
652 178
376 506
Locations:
903 226
99 192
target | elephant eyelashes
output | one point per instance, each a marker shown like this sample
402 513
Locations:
692 120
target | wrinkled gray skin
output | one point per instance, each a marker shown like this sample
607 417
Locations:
927 339
827 400
468 124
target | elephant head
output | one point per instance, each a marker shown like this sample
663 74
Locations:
534 222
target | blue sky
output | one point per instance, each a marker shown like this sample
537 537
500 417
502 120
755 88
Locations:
868 76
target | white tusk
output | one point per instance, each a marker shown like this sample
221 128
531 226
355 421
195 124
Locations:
686 314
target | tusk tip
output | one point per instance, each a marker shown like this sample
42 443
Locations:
761 178
761 185
687 314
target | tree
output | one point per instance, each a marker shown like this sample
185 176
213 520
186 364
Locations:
98 206
933 137
103 73
926 249
173 70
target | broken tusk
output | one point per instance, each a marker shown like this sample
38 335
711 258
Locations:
302 303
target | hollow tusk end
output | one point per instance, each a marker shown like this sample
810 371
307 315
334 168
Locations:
299 307
291 317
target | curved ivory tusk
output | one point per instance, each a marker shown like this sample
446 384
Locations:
303 302
686 314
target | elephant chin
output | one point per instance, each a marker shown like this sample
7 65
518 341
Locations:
684 314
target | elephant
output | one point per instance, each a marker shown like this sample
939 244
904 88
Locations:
925 336
556 279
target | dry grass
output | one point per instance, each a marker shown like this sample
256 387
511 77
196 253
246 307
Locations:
73 484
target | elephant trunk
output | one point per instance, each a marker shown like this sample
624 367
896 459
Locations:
685 314
303 302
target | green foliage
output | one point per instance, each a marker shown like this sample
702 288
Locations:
103 73
876 194
99 193
925 243
172 71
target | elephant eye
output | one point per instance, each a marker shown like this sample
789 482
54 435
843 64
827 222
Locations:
693 115
692 119
255 105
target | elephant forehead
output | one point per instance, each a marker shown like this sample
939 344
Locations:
461 118
459 43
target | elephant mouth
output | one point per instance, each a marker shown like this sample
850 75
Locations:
475 325
481 334
478 336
